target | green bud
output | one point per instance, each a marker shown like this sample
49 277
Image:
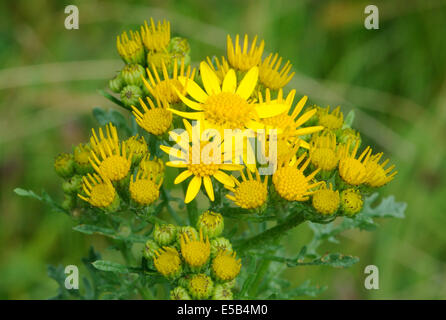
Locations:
221 292
201 286
131 74
349 134
69 202
179 293
351 201
190 231
211 224
64 165
130 95
116 84
179 45
165 234
184 281
150 248
220 244
81 159
72 185
114 206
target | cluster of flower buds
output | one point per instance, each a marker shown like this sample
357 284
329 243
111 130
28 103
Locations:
147 53
198 262
105 170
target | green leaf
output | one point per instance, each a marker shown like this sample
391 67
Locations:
103 117
348 122
45 198
91 229
336 260
110 266
114 100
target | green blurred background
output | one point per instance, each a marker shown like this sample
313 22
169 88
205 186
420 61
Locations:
393 77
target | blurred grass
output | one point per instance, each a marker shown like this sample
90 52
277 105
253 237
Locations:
394 77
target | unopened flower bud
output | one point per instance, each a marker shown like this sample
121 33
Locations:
72 185
221 292
179 45
210 223
165 234
179 293
130 95
150 248
64 165
351 201
131 74
201 286
220 244
189 231
116 84
81 159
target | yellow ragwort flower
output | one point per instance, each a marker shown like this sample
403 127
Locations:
351 201
167 262
156 119
380 176
202 166
331 120
157 37
195 251
130 49
323 152
288 125
227 106
226 266
154 167
166 89
99 190
354 170
326 200
290 181
269 73
144 189
242 59
250 193
137 146
109 157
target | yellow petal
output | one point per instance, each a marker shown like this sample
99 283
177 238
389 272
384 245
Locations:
176 164
187 115
270 110
210 80
191 104
305 117
248 83
192 189
308 130
231 167
208 186
224 178
182 176
229 82
299 106
193 89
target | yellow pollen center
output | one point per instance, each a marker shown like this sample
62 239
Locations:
330 121
157 121
352 171
250 194
115 167
202 170
102 195
290 183
324 158
228 110
165 90
144 191
199 284
326 201
225 266
167 262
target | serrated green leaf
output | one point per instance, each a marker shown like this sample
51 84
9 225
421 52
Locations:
45 198
335 260
110 266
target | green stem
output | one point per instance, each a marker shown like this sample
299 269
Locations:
271 233
192 210
171 211
261 272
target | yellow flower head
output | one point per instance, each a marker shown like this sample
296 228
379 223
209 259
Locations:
290 181
156 119
210 223
166 89
195 251
109 157
227 106
200 286
288 125
99 190
351 201
202 166
130 49
381 175
333 120
242 59
326 200
143 188
323 153
157 37
269 73
137 146
250 193
167 262
220 68
225 266
155 167
351 169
